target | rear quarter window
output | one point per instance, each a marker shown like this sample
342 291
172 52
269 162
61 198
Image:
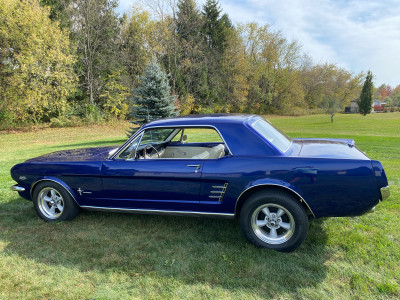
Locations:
202 135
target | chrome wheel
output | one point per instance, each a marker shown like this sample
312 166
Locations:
272 223
50 203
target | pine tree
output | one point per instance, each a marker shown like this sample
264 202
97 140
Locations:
191 73
216 31
188 21
152 100
216 27
365 103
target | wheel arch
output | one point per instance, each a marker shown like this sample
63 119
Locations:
56 180
268 187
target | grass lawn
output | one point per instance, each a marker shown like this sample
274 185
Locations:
105 255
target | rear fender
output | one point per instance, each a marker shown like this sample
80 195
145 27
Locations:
379 173
267 182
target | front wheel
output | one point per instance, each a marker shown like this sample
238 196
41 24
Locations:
53 203
274 220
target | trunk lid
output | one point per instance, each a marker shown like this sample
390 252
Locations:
329 148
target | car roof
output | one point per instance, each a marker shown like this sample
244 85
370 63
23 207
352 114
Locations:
234 129
209 119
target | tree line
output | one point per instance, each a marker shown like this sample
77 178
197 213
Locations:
79 59
389 95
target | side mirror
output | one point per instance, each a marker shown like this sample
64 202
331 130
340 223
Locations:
184 138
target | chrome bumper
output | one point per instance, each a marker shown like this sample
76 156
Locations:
385 193
17 188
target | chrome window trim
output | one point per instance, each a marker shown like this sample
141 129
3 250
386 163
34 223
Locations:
123 147
156 211
126 145
274 184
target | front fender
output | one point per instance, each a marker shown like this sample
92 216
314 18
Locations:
56 180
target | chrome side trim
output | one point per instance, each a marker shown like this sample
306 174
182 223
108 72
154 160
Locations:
63 185
156 211
274 184
123 147
17 188
385 193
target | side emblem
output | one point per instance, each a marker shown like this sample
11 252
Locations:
80 191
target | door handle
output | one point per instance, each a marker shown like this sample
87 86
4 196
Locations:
194 166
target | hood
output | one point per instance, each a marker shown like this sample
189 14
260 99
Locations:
82 154
329 148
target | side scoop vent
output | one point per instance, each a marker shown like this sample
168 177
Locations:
218 192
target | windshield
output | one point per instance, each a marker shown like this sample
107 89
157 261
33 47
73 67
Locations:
273 135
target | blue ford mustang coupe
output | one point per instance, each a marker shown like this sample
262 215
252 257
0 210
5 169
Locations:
211 165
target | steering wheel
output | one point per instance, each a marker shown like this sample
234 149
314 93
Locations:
150 147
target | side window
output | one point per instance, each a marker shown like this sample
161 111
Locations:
176 143
196 143
202 135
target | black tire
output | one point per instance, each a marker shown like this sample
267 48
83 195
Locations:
53 203
283 232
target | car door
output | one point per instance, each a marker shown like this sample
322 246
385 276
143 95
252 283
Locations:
133 180
158 184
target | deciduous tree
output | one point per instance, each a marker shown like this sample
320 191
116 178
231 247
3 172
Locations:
36 74
340 87
95 29
137 34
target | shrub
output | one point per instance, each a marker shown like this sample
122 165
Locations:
58 122
186 104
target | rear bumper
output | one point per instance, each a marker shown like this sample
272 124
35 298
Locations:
385 193
17 188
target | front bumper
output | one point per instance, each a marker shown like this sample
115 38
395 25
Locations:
385 193
17 188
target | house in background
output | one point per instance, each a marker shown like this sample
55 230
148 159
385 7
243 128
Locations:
379 103
354 109
376 102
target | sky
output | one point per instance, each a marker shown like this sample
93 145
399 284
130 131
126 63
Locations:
359 35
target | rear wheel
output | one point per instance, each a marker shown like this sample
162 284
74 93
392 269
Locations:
53 203
274 220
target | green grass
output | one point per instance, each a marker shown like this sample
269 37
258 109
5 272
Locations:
115 256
